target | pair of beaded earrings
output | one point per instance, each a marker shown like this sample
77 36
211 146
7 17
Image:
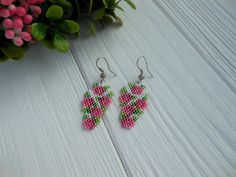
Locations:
133 99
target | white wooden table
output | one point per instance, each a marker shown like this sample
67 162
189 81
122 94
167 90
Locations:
189 128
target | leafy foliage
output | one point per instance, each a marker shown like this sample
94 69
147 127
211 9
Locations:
61 19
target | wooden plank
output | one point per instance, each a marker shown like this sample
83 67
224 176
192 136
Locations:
228 6
210 30
40 129
189 129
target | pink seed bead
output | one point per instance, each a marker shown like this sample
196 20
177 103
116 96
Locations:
9 34
6 2
5 13
27 19
7 23
17 24
18 41
26 36
12 9
20 11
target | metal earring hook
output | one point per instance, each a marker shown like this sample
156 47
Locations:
103 74
141 76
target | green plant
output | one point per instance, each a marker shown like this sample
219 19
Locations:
55 21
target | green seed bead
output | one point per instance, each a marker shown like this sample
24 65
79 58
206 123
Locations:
135 118
121 117
145 97
87 94
138 112
104 108
122 114
97 121
107 87
124 90
95 84
131 85
143 86
132 103
110 94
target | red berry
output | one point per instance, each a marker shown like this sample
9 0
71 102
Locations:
99 90
89 123
26 36
7 23
128 110
36 10
27 19
12 9
88 102
18 41
96 112
127 123
105 101
17 24
40 1
125 98
9 34
25 5
6 2
137 89
141 104
31 1
5 13
20 11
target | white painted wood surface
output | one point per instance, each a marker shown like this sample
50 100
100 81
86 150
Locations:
189 128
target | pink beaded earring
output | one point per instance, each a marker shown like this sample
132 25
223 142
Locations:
97 100
133 99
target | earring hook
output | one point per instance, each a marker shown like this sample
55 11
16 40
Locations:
141 76
103 74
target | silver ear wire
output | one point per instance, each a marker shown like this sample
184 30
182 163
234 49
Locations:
103 74
141 76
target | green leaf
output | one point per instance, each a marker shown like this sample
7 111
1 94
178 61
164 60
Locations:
69 26
60 42
3 57
91 25
48 43
120 8
119 21
12 51
131 4
66 6
54 12
39 30
112 13
107 19
105 3
90 6
110 2
98 14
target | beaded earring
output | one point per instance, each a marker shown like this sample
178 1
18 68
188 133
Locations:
133 99
97 100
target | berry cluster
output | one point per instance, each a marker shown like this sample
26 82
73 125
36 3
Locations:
95 103
16 16
133 101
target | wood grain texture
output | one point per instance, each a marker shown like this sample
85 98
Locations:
189 128
40 130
